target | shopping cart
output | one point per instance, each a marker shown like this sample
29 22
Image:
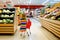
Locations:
23 28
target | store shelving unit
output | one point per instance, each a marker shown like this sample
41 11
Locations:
8 20
50 19
51 25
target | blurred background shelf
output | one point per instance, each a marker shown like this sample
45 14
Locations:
51 25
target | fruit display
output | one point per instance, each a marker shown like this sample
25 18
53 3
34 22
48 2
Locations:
6 21
52 12
7 11
54 15
7 15
4 15
12 15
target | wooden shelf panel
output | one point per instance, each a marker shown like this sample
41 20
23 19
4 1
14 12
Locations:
6 29
55 23
52 25
7 32
6 25
51 30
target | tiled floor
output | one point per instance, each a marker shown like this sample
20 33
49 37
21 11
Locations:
38 33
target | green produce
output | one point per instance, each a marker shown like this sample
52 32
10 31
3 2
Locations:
8 20
21 12
11 20
4 20
2 15
59 19
0 21
42 10
12 15
6 15
8 11
4 10
49 5
13 11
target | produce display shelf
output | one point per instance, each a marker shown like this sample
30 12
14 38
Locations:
8 22
51 25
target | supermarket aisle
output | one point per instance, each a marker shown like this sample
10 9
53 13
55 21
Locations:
38 33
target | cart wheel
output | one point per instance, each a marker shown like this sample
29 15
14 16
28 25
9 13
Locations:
30 33
21 35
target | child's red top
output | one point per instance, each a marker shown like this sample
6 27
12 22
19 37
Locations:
28 25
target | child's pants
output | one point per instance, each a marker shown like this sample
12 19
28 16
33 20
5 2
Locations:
28 31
